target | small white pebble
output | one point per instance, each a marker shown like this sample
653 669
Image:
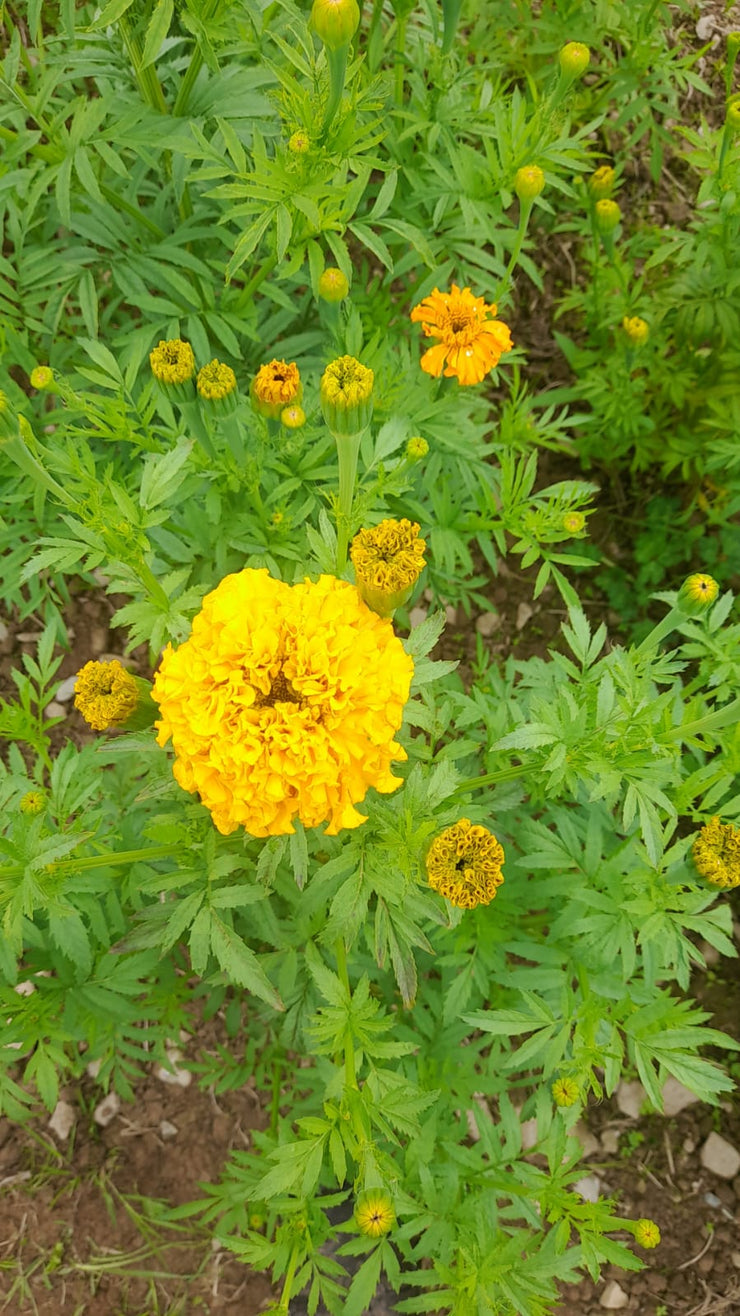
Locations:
106 1110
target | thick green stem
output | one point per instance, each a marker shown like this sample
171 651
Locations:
147 80
525 210
114 860
350 1073
348 448
400 48
490 779
249 289
337 61
286 1294
659 632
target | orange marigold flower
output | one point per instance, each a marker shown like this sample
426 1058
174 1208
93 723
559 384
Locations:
470 344
275 387
284 704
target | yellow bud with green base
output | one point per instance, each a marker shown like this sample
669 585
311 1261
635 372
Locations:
608 216
574 59
347 396
636 329
42 377
529 182
216 384
697 593
333 285
335 21
601 183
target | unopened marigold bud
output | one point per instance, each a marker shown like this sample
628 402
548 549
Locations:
106 694
574 522
32 803
732 117
528 182
636 329
574 59
716 853
335 21
333 285
275 387
565 1092
216 384
647 1233
374 1212
608 215
173 367
601 182
697 593
388 560
293 417
299 143
347 396
42 377
733 44
416 448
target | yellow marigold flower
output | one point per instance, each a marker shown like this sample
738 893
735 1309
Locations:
299 143
32 803
335 21
275 387
574 59
697 593
464 864
529 182
283 704
106 694
416 448
347 395
636 329
565 1092
716 853
374 1212
470 344
42 377
601 182
608 215
574 522
333 285
173 366
293 417
647 1233
216 381
388 560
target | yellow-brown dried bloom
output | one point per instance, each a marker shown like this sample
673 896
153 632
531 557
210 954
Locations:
464 864
374 1212
106 694
716 853
565 1092
216 381
293 417
697 593
388 560
636 329
574 522
33 803
646 1233
284 704
601 182
416 448
608 215
275 387
333 285
42 377
529 182
347 396
299 143
172 362
574 59
470 344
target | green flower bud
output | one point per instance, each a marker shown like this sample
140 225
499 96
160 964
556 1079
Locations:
601 182
347 396
574 59
335 21
333 285
529 182
608 215
697 593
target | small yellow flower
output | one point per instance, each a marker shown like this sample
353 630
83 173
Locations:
636 329
574 59
293 417
646 1233
299 143
470 344
32 803
374 1212
716 853
42 377
601 182
335 21
106 694
574 522
388 560
608 215
698 593
347 395
417 448
529 182
172 362
216 381
464 864
277 518
565 1092
333 285
275 387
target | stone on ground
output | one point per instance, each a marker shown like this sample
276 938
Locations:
720 1157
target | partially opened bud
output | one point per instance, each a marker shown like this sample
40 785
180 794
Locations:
574 59
42 377
417 448
335 21
333 285
636 329
608 216
173 367
697 593
276 386
529 182
299 143
347 396
732 116
647 1233
716 853
601 182
565 1092
374 1212
216 384
33 803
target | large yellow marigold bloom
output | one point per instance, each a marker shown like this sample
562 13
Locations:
716 852
470 344
284 704
464 864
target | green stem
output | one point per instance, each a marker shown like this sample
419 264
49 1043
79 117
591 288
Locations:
400 48
285 1296
337 61
659 632
348 448
490 778
247 292
277 1074
525 210
350 1075
726 138
147 80
114 860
